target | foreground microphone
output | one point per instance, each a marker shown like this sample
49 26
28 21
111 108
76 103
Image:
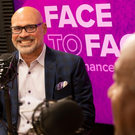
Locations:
8 72
8 65
61 118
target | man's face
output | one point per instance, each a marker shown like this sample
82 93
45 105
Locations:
28 43
122 97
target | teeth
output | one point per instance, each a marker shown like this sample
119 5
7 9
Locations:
25 42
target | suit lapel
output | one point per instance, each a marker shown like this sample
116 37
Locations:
50 70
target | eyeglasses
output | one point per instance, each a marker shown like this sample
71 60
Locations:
28 28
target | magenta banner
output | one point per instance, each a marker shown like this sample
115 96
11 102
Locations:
92 29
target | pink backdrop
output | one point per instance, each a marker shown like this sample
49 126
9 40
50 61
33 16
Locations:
93 29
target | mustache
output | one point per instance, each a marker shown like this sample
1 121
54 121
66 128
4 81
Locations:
25 38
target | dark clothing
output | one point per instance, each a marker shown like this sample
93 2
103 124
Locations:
59 66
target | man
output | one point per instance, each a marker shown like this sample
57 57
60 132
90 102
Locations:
122 92
40 70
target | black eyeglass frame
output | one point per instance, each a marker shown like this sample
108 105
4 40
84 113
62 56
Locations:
36 25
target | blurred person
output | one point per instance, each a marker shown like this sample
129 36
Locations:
122 92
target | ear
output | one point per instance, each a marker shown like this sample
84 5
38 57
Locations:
44 28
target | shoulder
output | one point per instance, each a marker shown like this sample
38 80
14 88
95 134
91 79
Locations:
65 56
65 59
16 53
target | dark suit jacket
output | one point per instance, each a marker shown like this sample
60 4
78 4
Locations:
59 66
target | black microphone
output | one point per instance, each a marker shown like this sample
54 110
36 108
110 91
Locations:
8 64
60 118
8 72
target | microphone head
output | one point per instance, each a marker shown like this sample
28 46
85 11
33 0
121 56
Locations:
8 65
62 118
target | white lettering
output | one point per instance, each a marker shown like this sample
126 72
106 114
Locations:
101 15
105 49
100 67
49 16
55 40
71 40
89 44
79 11
70 20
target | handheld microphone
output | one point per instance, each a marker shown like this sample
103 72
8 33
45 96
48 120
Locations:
8 66
60 118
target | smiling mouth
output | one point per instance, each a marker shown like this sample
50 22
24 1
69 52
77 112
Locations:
25 42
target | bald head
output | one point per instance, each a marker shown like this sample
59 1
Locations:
30 38
27 13
122 92
125 65
128 49
128 52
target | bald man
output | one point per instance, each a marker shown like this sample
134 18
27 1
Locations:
40 70
122 92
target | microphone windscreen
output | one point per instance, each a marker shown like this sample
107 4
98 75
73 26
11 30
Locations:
62 118
8 64
5 56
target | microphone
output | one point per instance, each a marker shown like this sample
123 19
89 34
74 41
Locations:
8 64
57 118
8 72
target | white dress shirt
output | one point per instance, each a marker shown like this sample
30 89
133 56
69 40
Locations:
31 89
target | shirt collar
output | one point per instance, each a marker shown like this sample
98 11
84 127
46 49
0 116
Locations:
40 58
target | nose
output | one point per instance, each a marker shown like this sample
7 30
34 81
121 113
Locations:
24 34
111 91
